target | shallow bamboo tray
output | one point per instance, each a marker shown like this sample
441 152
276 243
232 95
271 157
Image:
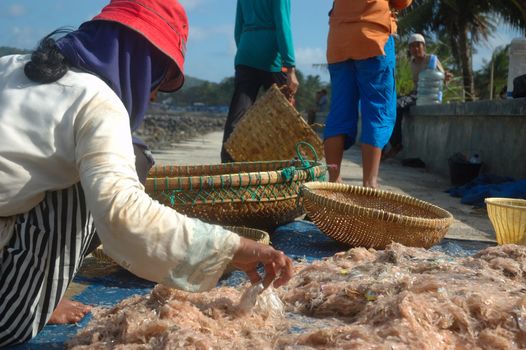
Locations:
271 129
365 217
259 195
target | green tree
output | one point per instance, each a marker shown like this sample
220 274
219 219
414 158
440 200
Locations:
491 79
5 50
306 95
464 23
512 12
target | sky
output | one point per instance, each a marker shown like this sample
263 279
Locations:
211 48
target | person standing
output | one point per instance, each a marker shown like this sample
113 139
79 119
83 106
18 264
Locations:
419 61
68 169
320 103
265 56
361 57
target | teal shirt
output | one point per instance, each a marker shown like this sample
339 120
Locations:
263 34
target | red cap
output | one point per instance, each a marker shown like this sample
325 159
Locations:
163 22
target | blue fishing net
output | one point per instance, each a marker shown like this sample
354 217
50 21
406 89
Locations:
301 240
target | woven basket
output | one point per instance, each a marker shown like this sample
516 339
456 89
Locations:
253 194
270 130
250 233
371 218
508 217
99 254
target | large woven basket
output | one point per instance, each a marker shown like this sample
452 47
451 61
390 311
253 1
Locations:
365 217
508 217
252 194
269 130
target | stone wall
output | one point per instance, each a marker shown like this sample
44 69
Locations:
496 130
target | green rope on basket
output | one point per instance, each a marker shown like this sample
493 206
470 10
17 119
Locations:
288 173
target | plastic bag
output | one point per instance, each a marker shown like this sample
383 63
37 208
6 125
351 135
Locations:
263 300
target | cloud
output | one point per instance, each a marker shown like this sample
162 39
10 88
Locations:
201 33
310 56
23 37
16 10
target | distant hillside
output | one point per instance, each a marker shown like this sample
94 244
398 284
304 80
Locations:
4 50
190 82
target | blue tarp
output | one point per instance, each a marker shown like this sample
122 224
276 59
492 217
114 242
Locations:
486 186
301 240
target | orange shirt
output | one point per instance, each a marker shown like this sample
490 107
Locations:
359 29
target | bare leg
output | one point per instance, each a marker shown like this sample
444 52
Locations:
68 311
333 156
371 164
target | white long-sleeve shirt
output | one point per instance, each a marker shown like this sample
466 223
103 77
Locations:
76 129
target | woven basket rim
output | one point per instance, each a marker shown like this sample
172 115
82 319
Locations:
257 235
254 177
353 209
507 202
229 164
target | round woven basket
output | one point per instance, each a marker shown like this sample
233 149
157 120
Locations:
508 217
259 236
259 195
365 217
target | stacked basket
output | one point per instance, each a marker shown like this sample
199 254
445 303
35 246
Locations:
271 129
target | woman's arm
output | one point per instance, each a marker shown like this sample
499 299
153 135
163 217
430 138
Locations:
238 30
149 239
281 9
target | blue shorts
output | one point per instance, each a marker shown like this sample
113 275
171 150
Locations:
367 85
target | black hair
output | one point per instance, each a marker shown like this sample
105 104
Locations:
47 63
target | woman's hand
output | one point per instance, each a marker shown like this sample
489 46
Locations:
292 81
278 267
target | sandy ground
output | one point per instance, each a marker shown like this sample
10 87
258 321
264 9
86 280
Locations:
470 223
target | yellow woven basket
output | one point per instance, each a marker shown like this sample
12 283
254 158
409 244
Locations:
365 217
508 217
259 195
270 130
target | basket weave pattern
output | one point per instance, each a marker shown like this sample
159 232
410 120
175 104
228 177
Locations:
508 217
269 130
253 194
371 218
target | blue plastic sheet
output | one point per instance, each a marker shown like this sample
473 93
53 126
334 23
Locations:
301 240
486 186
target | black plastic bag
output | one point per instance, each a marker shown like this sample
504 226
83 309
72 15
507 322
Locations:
519 86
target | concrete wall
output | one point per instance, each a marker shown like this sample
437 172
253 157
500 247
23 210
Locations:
496 130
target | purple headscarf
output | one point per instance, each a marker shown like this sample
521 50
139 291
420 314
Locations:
124 59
